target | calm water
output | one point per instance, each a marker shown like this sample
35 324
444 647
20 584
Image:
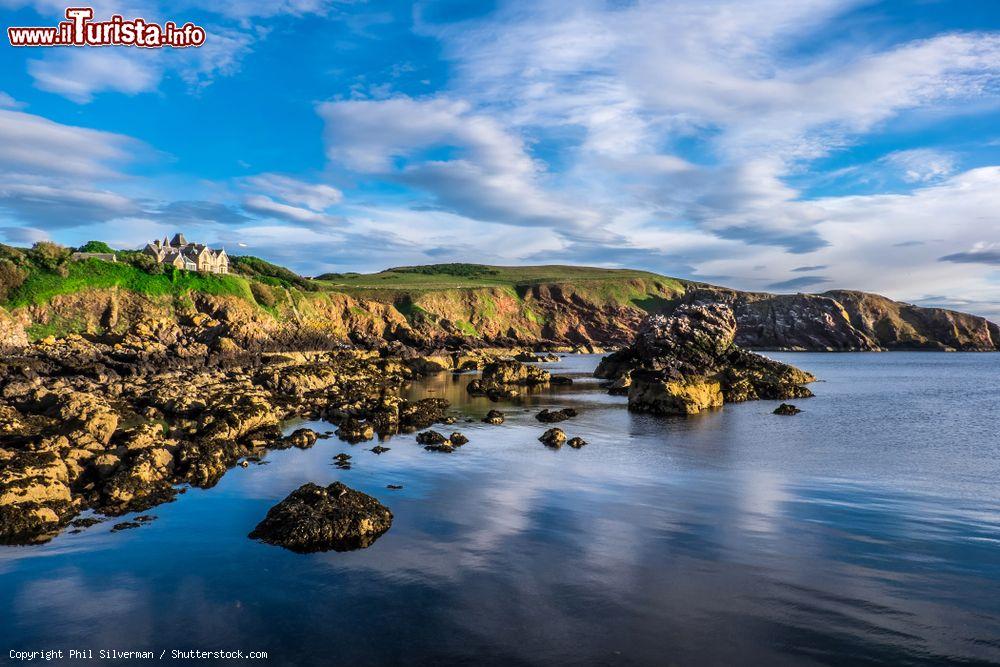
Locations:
864 530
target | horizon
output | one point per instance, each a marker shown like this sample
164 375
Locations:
833 144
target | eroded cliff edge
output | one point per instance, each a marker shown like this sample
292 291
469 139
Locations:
572 307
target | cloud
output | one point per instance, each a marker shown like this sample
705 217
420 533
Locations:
801 281
467 162
922 165
809 269
982 253
641 80
186 212
314 196
55 206
80 73
8 102
267 207
36 145
23 235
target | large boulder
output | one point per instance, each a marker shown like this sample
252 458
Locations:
314 518
688 362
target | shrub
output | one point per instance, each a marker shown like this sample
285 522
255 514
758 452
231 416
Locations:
11 277
50 256
263 294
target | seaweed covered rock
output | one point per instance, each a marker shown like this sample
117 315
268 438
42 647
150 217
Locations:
547 416
315 518
501 378
554 437
688 362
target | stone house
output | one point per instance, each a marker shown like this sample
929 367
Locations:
177 252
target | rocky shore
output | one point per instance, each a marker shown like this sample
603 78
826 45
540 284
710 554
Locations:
118 427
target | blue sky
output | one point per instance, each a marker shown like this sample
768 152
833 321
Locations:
760 144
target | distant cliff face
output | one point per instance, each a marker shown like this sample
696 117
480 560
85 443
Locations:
584 314
842 320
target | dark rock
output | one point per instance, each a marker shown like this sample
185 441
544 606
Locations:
342 457
302 438
547 416
353 430
379 449
494 417
124 525
554 437
576 443
560 380
786 409
422 413
314 518
457 439
394 487
86 522
431 438
145 518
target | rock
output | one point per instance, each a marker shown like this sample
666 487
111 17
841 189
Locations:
342 457
547 416
435 442
500 378
554 437
422 413
353 430
314 518
86 522
457 439
560 380
576 443
124 525
302 438
786 409
431 438
688 362
394 487
494 417
379 449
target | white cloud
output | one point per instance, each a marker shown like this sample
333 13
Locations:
314 196
468 162
81 73
922 165
37 145
267 207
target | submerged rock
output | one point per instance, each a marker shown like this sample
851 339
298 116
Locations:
554 437
786 409
688 362
315 518
576 443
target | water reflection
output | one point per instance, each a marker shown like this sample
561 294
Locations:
733 538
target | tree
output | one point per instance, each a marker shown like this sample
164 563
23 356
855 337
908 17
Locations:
96 246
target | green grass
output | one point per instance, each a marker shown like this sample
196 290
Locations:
41 286
453 276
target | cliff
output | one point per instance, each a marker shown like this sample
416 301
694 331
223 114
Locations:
451 305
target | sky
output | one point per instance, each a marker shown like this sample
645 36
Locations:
760 144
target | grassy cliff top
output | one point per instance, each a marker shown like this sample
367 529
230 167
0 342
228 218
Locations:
459 276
